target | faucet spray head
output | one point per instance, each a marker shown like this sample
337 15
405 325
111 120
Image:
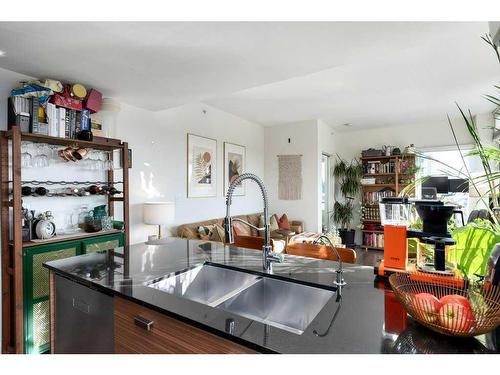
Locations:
228 230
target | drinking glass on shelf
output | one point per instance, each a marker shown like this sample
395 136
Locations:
109 161
107 222
26 156
102 161
53 153
41 159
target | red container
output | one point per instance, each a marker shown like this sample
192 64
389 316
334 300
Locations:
66 101
93 101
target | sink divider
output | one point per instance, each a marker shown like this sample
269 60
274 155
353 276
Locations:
234 292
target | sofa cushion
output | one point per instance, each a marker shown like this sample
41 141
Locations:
273 222
254 220
218 233
190 231
241 229
283 222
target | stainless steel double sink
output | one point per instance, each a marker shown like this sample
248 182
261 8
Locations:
284 304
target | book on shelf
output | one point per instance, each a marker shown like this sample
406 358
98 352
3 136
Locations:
51 113
72 123
61 120
67 133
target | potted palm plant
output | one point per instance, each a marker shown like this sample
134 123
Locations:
348 177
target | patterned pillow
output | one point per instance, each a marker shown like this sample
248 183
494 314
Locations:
205 232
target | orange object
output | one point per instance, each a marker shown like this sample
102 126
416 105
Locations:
455 281
395 320
395 247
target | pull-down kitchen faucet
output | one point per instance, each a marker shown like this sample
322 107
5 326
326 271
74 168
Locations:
268 256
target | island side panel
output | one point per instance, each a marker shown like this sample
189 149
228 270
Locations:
164 335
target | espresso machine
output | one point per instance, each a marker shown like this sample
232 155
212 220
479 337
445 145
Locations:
433 243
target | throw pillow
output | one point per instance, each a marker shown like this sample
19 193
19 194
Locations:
273 224
241 229
205 232
217 233
284 223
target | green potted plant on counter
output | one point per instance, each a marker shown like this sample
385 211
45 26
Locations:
348 177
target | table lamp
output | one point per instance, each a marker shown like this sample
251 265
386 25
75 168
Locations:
159 213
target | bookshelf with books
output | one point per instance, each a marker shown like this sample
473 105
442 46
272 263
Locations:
52 154
383 176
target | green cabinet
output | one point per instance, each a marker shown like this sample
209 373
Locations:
36 283
102 243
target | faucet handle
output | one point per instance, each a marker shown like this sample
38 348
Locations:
276 257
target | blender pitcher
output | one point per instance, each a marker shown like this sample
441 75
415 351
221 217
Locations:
395 217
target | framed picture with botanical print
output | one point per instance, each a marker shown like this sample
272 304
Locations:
234 165
201 166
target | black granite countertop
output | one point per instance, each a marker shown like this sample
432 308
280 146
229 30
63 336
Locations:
368 318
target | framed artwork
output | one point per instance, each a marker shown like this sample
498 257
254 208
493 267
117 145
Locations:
234 165
201 166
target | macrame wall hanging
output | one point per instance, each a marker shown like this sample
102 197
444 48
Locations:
290 177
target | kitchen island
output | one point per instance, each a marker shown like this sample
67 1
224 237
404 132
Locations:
366 318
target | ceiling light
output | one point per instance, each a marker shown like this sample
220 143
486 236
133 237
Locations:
2 53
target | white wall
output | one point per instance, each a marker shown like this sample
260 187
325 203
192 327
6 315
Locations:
431 134
304 140
159 144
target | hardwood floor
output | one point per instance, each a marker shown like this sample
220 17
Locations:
368 257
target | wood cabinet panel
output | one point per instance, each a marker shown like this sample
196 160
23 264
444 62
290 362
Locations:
166 334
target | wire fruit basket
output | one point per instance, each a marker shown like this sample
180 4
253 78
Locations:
446 309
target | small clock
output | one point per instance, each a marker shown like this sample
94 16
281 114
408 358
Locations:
45 228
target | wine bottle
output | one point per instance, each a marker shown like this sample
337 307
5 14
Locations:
95 189
41 191
26 190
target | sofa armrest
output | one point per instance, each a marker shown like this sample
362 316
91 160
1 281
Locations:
296 226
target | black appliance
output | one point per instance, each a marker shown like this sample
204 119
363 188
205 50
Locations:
439 182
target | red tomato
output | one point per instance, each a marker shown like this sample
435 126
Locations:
455 298
456 316
428 306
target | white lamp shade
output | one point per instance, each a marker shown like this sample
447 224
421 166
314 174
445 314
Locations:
159 213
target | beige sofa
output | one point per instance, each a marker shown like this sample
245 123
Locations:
190 231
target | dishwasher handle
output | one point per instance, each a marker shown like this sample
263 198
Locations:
143 323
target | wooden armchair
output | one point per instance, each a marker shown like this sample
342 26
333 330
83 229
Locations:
320 252
250 242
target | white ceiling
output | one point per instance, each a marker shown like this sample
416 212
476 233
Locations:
367 74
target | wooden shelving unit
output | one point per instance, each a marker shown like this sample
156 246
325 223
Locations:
12 244
387 182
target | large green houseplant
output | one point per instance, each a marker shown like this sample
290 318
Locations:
348 177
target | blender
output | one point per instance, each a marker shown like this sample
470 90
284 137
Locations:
395 217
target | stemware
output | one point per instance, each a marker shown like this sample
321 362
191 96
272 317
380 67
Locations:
26 156
41 160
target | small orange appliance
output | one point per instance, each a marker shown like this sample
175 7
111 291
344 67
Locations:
395 217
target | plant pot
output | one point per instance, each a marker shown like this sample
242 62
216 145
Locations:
347 236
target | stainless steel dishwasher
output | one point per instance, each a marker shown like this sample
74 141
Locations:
84 319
